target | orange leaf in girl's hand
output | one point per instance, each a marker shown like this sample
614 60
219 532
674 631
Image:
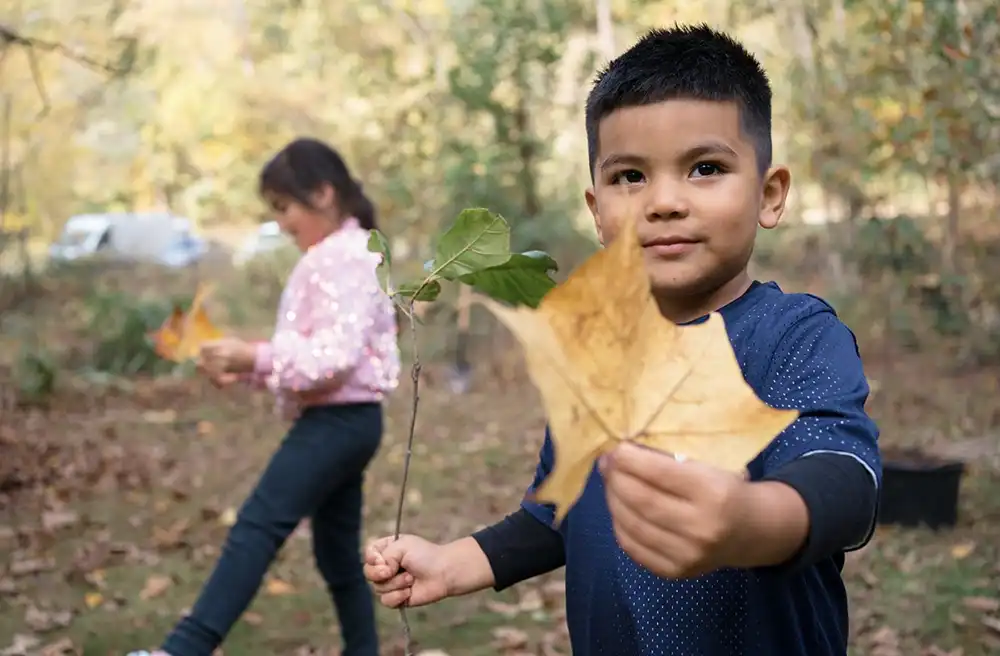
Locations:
182 334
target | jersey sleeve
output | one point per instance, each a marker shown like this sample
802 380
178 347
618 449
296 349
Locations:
816 368
544 513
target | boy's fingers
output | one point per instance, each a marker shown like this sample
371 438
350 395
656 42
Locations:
379 574
373 552
394 551
396 599
396 583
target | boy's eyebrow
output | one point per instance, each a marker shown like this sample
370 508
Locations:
701 150
622 160
710 148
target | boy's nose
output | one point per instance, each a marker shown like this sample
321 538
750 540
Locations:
666 200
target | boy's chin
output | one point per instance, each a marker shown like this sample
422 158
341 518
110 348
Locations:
670 281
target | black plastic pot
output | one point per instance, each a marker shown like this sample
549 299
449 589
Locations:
919 489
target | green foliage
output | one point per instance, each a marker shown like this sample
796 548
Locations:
474 251
897 244
523 279
477 240
377 243
35 375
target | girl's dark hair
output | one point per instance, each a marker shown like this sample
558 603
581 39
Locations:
303 166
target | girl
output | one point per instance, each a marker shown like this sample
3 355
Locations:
330 363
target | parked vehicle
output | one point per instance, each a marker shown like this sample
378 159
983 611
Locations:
149 236
185 250
268 237
83 235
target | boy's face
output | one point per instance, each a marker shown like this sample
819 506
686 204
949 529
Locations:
690 178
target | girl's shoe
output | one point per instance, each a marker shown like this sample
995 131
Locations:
146 653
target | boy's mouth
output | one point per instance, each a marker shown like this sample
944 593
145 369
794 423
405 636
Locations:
670 246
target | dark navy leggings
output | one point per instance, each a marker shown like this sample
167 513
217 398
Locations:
317 472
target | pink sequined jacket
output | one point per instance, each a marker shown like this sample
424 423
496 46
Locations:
335 337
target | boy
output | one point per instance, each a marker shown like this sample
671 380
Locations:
668 558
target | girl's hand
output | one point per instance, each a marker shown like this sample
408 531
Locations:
220 380
228 356
223 380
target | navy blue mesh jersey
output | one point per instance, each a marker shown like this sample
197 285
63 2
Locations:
794 353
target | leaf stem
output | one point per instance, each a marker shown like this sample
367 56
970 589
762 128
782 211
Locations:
415 377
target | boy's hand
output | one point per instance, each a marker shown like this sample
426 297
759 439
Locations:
424 580
677 519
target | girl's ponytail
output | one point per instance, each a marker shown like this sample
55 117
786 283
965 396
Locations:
361 207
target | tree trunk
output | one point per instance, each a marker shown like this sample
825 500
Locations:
605 29
950 237
5 164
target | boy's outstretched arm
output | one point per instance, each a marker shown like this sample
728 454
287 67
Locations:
415 572
814 490
522 545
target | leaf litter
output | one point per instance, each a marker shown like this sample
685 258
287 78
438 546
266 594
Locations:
89 449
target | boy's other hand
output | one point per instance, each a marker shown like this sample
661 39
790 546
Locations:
424 580
677 519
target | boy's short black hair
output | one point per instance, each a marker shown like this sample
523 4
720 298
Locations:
692 62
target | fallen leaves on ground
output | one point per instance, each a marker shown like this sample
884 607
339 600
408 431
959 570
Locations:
610 368
277 587
151 497
155 586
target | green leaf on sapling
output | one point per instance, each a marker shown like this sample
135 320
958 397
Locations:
477 240
377 243
419 291
521 280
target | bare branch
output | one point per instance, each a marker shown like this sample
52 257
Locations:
9 36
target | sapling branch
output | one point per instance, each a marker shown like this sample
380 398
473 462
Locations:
474 251
415 377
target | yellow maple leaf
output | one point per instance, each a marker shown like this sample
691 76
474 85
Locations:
610 367
182 334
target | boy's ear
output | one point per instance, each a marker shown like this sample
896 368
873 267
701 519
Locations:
777 182
592 206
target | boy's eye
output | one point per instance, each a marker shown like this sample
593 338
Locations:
629 176
706 169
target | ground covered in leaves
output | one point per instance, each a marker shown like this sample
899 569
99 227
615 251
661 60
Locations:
115 499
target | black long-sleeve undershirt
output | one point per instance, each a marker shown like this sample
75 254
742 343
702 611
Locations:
838 491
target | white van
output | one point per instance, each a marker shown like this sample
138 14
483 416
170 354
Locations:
153 236
83 235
